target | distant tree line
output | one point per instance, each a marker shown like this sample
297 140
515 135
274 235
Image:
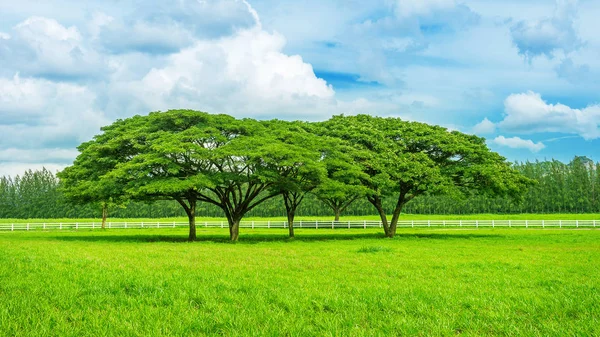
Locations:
572 187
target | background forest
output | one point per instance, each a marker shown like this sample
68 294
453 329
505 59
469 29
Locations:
561 188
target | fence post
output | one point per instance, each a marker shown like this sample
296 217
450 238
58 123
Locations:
109 224
173 224
577 223
459 223
76 226
28 226
412 223
60 225
559 223
142 225
252 224
526 223
269 224
428 223
93 225
509 224
317 224
300 223
12 227
543 224
594 223
221 224
44 225
365 224
332 223
348 224
444 223
493 226
477 224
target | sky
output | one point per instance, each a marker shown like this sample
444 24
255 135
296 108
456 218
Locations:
524 74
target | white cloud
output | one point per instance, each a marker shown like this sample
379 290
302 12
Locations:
38 114
528 113
244 74
43 47
546 36
4 36
518 143
485 127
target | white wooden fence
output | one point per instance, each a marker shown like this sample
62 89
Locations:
318 224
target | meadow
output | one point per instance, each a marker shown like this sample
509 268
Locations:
151 282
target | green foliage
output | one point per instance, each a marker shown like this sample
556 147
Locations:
403 160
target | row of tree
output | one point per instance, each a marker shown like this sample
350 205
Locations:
195 158
572 187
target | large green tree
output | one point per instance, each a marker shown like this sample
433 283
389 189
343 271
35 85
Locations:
407 159
192 156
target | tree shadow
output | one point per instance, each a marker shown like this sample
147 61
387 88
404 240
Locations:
260 238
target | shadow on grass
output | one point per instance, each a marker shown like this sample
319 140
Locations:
258 238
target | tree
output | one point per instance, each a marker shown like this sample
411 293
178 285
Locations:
86 180
343 184
192 156
408 159
299 160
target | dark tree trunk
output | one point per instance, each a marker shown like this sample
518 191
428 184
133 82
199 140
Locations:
396 216
291 200
234 229
376 201
290 218
190 210
337 212
192 222
104 214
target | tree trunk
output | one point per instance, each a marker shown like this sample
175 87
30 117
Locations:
190 210
104 214
234 229
337 211
192 221
290 218
376 201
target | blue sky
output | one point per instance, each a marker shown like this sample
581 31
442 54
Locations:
523 74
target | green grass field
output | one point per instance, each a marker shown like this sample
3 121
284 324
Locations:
148 282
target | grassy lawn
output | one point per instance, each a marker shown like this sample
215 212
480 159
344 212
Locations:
148 282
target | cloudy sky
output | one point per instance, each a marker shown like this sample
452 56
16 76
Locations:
524 74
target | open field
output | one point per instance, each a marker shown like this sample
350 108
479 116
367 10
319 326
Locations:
146 282
524 216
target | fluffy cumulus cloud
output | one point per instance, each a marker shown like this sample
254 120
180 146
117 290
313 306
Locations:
548 35
485 127
42 122
518 143
528 113
42 47
243 74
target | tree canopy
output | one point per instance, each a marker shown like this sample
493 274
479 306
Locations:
237 164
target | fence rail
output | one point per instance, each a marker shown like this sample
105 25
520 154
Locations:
318 224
